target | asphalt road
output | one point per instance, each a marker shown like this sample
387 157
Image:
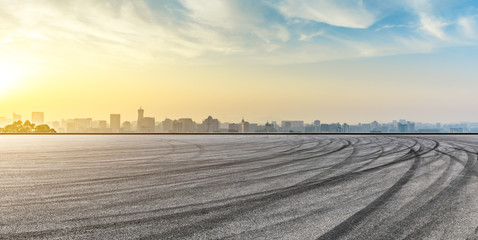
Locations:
239 187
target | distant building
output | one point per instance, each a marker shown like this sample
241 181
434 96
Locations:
411 126
55 125
331 128
292 126
102 125
167 125
270 127
457 130
145 124
81 124
38 118
345 128
187 125
126 127
253 127
405 126
245 126
402 127
139 123
309 128
234 127
365 127
375 127
3 121
115 122
149 124
17 117
317 126
210 125
184 125
70 125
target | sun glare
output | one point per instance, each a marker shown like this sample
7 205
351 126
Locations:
8 77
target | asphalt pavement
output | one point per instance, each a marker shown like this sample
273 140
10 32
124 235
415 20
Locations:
238 187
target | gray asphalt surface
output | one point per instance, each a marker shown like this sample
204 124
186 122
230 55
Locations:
239 187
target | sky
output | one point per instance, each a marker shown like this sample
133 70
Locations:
336 61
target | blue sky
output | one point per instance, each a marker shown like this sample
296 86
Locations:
262 31
309 31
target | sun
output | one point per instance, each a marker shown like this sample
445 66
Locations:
8 76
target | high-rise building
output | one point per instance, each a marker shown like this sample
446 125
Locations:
139 123
38 118
345 128
167 125
17 117
317 126
210 125
245 126
375 127
184 125
411 126
269 127
293 126
149 124
81 124
102 124
188 125
234 127
115 122
402 127
126 126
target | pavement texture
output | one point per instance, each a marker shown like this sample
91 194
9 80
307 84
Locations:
238 187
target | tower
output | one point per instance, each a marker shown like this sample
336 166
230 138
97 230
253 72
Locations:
140 118
242 125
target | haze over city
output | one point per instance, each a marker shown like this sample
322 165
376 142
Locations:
353 61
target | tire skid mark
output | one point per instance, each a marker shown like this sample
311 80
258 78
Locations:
389 224
440 203
274 196
329 162
350 223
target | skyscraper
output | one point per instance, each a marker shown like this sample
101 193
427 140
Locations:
140 118
149 124
243 127
210 125
37 118
115 122
167 125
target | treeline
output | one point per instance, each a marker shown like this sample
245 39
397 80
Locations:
26 127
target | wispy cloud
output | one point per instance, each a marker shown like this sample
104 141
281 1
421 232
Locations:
285 31
307 37
468 26
433 26
351 14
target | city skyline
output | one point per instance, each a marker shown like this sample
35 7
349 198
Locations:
148 124
355 60
15 116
